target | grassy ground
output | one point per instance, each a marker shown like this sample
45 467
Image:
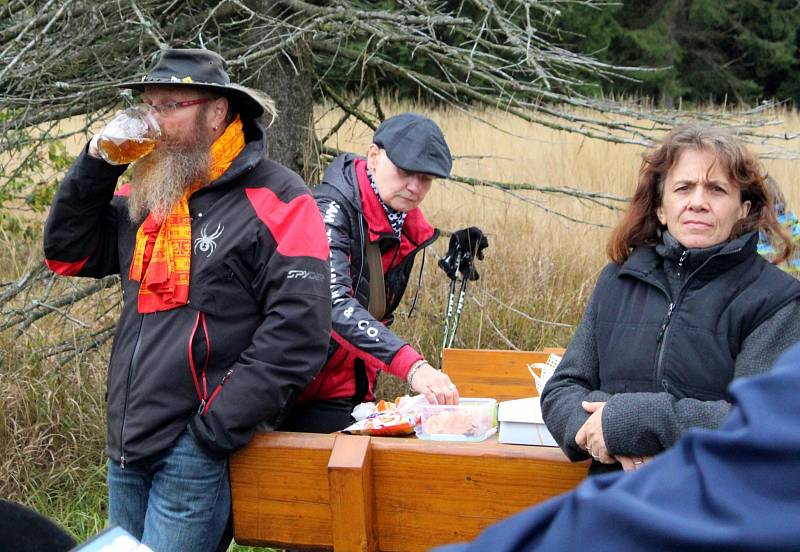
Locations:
538 266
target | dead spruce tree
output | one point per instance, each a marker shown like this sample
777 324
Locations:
61 59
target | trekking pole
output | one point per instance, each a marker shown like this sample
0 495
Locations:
453 258
459 307
448 312
465 246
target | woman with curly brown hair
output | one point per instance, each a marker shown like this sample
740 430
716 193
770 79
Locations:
685 306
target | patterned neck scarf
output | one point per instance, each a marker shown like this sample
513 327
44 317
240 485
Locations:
396 218
163 252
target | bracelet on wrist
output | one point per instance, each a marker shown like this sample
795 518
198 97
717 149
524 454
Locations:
413 371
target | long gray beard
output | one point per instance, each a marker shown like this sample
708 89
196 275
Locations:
159 180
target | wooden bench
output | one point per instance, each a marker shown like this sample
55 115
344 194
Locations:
349 492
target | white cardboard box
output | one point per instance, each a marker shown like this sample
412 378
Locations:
521 423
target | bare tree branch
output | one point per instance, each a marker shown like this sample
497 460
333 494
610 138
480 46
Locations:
62 60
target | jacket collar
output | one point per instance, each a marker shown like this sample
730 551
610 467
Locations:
672 251
714 260
253 153
377 221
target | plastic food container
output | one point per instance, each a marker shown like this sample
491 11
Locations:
473 419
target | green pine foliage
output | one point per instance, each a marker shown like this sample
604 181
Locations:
703 51
708 50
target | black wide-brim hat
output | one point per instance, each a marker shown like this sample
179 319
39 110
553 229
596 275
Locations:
203 69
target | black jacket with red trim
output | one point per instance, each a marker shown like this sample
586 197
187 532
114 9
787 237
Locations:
360 344
257 325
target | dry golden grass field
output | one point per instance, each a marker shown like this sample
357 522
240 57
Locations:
539 263
538 272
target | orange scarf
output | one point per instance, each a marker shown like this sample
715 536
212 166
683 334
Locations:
163 252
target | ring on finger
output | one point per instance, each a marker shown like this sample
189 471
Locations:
451 386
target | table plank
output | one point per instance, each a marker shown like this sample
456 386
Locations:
280 493
352 494
433 493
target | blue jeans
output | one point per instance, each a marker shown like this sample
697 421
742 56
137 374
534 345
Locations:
172 501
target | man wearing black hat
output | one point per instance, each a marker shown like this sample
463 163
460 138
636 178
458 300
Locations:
225 318
375 229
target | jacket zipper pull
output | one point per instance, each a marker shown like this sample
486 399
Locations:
665 323
681 261
205 404
122 462
226 377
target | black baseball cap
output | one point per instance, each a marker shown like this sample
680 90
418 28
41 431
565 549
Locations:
415 144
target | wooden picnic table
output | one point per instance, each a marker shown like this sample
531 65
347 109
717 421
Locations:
350 492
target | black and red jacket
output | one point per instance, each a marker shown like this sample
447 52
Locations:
360 344
257 325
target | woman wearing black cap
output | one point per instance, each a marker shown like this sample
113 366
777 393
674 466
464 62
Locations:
375 229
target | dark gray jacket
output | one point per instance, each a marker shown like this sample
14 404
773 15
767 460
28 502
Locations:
662 336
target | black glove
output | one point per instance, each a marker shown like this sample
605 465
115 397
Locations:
465 246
